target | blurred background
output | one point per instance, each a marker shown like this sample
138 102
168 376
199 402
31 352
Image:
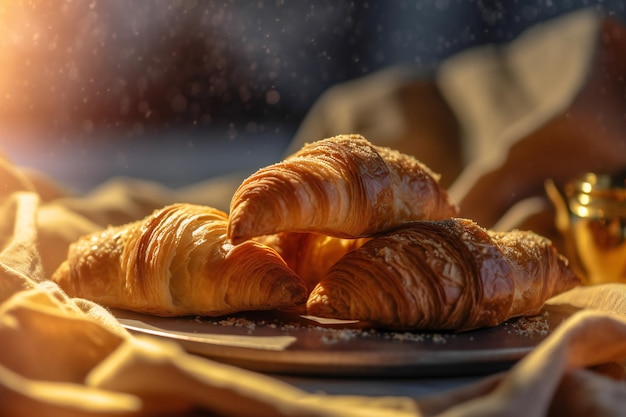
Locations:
180 91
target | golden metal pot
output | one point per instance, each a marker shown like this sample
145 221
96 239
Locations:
591 216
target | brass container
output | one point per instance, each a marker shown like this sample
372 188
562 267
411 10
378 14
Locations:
591 216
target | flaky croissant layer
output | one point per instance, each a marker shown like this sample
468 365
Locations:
341 186
443 275
310 255
178 262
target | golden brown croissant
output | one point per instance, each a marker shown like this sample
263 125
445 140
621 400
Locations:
443 275
310 255
178 262
341 186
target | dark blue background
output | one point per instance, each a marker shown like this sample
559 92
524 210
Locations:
182 91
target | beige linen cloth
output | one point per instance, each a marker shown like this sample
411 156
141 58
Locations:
70 357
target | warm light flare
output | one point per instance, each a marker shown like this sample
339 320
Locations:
69 65
38 39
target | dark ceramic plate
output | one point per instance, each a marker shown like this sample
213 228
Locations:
283 343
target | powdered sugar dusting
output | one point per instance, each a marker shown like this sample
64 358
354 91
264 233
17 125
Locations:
330 334
530 326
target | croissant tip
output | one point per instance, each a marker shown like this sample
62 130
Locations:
251 218
291 291
236 239
234 232
318 304
62 276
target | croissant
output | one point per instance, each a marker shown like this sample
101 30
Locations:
341 186
443 275
310 255
175 262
